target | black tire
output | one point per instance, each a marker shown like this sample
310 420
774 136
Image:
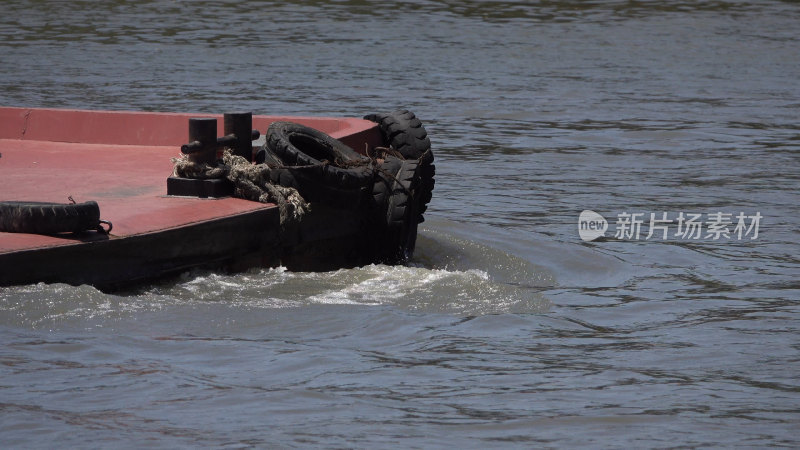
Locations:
266 156
427 183
384 181
277 173
343 181
48 218
404 132
299 145
395 227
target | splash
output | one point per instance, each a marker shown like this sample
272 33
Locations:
449 275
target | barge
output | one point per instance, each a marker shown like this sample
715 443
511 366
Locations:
157 222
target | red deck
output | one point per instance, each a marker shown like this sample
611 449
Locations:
121 160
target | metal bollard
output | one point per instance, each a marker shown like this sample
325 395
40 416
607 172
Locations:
202 146
239 125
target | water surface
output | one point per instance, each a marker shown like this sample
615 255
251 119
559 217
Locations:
507 329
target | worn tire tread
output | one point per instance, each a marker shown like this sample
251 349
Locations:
48 218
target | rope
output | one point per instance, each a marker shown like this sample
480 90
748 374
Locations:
251 182
381 152
186 168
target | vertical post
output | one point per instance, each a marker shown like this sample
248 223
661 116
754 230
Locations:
240 124
204 130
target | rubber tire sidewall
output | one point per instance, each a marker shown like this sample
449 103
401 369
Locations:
48 218
279 140
395 230
404 132
317 182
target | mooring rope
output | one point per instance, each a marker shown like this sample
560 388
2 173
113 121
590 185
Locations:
251 182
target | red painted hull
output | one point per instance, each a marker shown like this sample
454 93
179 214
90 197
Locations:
121 160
